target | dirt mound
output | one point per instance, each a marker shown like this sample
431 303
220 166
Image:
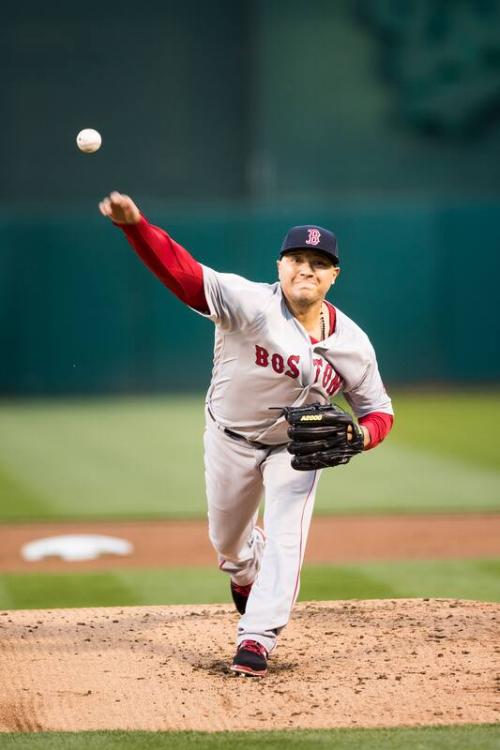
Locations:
339 664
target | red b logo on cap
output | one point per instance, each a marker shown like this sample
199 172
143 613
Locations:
314 237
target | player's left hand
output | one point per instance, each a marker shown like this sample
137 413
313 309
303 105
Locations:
322 435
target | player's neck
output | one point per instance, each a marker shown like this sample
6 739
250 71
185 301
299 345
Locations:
308 315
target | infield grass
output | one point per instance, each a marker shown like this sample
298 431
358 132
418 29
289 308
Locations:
466 579
467 737
142 457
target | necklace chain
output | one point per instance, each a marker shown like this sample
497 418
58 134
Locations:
323 326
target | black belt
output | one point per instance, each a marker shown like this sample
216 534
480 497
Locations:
236 436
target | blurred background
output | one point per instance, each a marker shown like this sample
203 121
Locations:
229 122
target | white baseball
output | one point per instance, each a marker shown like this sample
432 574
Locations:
88 140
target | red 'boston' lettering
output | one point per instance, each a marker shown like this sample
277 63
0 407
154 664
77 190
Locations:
330 380
261 356
334 385
292 362
277 363
318 363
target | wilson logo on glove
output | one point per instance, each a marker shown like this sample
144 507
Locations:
321 435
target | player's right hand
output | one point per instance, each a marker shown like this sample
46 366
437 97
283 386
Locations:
120 208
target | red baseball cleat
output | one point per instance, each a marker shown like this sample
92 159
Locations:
250 659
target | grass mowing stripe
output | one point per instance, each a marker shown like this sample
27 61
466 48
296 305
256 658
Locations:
456 579
422 418
119 458
343 582
468 737
20 501
7 600
470 579
107 457
35 591
399 478
461 579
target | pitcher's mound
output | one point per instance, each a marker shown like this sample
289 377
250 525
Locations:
339 664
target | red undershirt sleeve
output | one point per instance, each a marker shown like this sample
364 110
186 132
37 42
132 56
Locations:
378 424
169 261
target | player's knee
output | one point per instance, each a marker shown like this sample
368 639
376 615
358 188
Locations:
228 552
224 545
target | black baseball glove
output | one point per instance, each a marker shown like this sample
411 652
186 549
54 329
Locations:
320 436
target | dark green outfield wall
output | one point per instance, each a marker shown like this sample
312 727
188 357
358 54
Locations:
79 313
381 120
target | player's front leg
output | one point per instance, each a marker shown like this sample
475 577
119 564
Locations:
289 502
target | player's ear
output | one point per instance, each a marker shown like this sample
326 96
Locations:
336 271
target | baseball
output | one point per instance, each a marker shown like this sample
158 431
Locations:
88 140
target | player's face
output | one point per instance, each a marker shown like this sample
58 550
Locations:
306 276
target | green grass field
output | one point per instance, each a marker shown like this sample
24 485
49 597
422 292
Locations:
485 737
460 579
142 457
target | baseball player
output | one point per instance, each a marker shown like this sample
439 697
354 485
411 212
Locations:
276 345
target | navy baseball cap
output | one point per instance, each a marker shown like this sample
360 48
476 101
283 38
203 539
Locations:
311 237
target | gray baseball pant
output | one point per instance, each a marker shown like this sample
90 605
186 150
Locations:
237 476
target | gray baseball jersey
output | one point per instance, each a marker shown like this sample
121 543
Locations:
264 358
